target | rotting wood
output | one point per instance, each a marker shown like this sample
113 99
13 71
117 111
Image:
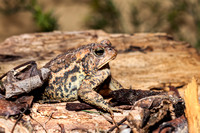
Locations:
144 61
192 110
7 125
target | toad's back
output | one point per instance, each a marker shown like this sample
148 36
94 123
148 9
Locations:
66 75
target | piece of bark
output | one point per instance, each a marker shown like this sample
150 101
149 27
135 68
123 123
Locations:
192 109
144 59
71 106
150 110
130 96
178 125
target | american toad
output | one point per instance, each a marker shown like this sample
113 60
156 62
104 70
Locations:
81 73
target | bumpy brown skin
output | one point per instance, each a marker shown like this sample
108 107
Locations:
80 73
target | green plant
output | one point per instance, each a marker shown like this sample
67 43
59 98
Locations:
45 21
104 15
179 18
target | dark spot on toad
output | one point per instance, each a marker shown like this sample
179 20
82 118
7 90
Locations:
73 78
61 95
74 89
85 92
70 85
57 81
92 82
59 89
76 69
66 75
73 58
66 66
66 89
56 70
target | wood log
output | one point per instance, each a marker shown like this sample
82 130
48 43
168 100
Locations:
192 110
144 61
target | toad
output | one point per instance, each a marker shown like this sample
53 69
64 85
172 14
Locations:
80 74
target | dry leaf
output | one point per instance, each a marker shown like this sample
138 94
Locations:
24 81
10 108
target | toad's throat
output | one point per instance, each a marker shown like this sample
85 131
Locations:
106 62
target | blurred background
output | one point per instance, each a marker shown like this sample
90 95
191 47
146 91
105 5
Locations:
179 18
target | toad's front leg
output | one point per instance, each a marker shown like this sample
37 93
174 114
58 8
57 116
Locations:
87 94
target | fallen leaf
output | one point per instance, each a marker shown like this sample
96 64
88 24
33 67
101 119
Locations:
24 81
10 108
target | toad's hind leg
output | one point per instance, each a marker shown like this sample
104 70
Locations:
87 94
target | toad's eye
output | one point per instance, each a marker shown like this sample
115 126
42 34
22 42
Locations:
98 51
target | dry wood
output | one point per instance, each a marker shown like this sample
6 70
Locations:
192 110
144 61
7 125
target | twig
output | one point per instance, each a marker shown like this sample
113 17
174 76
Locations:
50 116
62 127
38 123
12 131
116 125
119 123
108 119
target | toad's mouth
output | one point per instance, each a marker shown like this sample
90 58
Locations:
106 62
